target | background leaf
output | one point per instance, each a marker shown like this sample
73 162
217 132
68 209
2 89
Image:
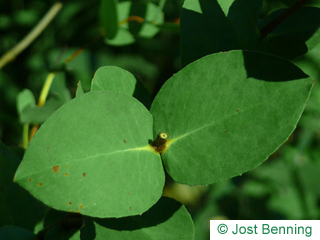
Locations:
105 178
109 17
145 16
167 219
294 37
16 233
17 206
242 106
36 114
25 99
227 25
205 29
119 80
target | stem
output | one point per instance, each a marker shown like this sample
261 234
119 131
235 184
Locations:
277 21
35 32
45 89
25 140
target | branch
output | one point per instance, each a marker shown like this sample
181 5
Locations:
35 32
277 21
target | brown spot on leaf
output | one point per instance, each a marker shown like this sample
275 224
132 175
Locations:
78 211
66 174
129 193
40 184
71 211
84 174
69 203
124 141
55 169
48 148
226 131
81 206
130 208
67 166
237 110
30 179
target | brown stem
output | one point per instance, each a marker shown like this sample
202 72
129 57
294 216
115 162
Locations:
277 21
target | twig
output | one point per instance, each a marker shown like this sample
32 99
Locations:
25 135
277 21
35 32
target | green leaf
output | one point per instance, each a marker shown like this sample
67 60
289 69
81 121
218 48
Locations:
295 36
25 99
205 29
168 219
119 80
16 233
242 106
79 91
148 12
109 17
36 114
17 206
92 156
57 224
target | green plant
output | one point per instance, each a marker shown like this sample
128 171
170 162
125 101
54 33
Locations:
224 113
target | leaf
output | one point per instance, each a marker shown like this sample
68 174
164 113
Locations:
236 109
79 91
295 36
17 206
109 17
16 233
36 114
227 25
25 99
168 219
92 156
205 29
145 16
119 80
62 225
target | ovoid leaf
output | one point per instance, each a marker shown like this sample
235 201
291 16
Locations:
92 156
226 113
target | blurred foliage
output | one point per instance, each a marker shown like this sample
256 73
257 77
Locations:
284 187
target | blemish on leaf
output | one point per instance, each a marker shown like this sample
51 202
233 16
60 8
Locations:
55 169
226 131
129 193
67 166
78 211
130 208
237 110
48 148
40 184
84 174
50 159
66 174
124 141
69 203
81 206
30 179
71 211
